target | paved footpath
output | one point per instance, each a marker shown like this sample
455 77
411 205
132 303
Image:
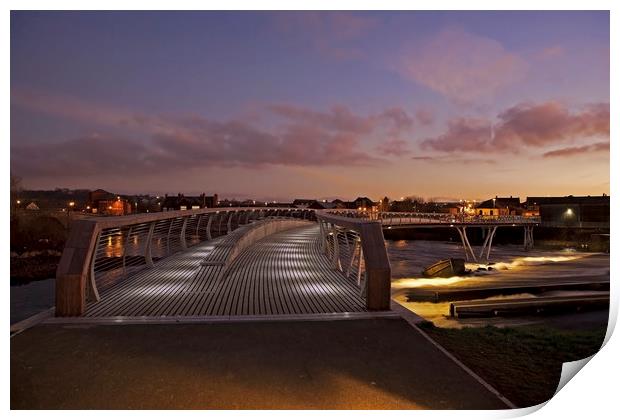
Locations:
348 364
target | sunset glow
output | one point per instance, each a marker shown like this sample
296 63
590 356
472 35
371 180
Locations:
272 106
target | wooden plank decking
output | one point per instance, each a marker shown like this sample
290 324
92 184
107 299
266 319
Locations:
283 274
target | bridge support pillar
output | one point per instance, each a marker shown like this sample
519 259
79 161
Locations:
466 245
488 241
528 238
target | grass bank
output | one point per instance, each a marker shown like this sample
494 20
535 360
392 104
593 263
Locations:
523 363
38 267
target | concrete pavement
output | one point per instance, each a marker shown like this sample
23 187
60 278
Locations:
349 364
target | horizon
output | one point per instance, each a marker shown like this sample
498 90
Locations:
225 197
322 104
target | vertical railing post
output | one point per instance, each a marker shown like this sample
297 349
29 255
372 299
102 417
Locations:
92 291
148 258
336 256
198 226
322 233
170 223
228 223
183 228
219 225
125 242
211 216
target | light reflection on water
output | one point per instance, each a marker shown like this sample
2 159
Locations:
509 263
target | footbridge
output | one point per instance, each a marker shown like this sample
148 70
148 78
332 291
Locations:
488 224
223 263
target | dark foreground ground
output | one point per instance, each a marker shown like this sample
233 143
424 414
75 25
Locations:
362 364
523 363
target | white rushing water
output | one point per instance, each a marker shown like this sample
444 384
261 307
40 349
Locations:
408 259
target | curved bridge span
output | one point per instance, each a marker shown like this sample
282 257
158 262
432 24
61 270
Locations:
223 262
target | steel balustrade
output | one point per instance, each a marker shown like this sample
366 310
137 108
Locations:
101 251
355 246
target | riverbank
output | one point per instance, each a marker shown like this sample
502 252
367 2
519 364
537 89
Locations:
523 363
33 267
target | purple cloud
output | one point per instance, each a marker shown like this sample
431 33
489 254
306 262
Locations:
463 66
523 126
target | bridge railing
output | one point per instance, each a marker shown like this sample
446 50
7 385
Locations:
414 218
101 251
355 246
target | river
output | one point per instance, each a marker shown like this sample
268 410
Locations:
509 264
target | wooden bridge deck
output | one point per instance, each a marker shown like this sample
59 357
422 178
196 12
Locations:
283 274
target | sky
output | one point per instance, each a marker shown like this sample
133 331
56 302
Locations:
283 105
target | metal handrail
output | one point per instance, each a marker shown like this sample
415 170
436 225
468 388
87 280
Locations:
415 218
101 251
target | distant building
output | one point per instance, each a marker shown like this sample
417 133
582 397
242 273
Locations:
571 210
305 203
384 204
106 203
364 204
338 204
32 206
182 202
500 206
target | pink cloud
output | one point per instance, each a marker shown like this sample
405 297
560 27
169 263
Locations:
463 66
425 116
301 137
395 147
463 134
549 123
578 150
523 126
338 118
